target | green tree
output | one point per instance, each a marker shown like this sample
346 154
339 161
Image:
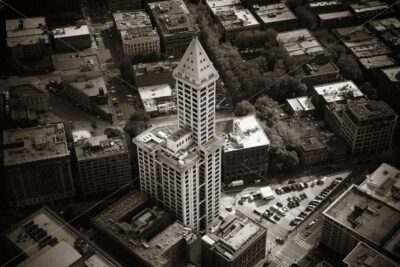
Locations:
244 108
349 68
369 90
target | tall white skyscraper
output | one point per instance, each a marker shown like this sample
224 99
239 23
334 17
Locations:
181 168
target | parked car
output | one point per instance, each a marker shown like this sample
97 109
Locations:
279 204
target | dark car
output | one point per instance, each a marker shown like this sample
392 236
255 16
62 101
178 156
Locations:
291 182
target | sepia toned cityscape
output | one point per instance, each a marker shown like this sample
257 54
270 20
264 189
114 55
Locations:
200 133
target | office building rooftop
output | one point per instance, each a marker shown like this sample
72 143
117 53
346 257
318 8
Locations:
155 136
382 25
393 74
156 95
242 133
99 146
299 42
338 91
70 31
324 3
26 31
173 17
274 13
384 184
363 255
368 6
218 3
230 236
147 233
380 61
365 45
46 240
88 85
235 17
378 111
364 215
34 144
68 63
134 24
335 15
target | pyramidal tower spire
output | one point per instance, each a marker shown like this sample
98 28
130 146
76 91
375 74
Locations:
196 79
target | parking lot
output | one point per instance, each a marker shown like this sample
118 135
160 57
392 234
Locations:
287 210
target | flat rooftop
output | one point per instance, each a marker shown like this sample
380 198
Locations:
314 69
363 255
134 24
299 42
155 136
219 3
338 91
369 6
99 146
25 90
362 42
173 17
324 3
153 251
382 25
312 144
335 15
155 97
301 104
364 215
26 31
68 63
384 184
381 61
235 17
47 240
154 73
88 85
378 111
155 91
393 73
34 144
274 13
242 133
230 236
70 31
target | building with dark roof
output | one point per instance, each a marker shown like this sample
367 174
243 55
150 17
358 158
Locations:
37 163
302 46
276 16
329 6
371 53
336 19
389 79
71 38
364 10
145 232
137 35
388 29
233 18
364 255
45 239
27 38
368 127
175 25
233 242
103 164
319 73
